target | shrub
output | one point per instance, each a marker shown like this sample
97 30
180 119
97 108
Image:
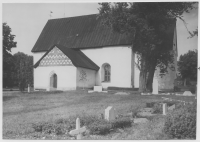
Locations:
121 123
99 127
157 108
95 125
151 104
49 128
181 123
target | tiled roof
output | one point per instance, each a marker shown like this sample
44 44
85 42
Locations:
78 32
78 58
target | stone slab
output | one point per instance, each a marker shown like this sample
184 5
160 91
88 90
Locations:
122 93
187 93
146 94
91 91
144 114
98 88
140 120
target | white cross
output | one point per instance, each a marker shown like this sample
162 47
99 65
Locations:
78 131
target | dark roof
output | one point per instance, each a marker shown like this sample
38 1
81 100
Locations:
78 58
78 32
84 32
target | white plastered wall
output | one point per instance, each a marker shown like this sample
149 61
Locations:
87 80
119 58
66 77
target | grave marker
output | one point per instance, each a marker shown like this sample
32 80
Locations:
109 113
78 131
164 108
187 93
155 86
98 88
29 89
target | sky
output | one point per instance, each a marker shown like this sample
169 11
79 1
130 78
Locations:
28 19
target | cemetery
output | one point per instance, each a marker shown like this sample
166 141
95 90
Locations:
97 115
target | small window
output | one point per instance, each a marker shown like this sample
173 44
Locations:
107 73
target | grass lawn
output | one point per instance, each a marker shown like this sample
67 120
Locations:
20 110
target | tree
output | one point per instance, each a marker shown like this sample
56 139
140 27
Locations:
146 24
23 65
187 66
8 44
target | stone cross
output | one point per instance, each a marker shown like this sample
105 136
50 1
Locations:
164 108
78 131
29 90
155 86
110 113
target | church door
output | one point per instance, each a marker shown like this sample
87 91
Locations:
53 81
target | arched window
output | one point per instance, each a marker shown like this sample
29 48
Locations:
107 73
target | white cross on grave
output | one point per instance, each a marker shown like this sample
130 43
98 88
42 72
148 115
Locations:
78 131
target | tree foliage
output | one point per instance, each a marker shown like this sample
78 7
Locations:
8 44
17 68
23 70
187 65
147 24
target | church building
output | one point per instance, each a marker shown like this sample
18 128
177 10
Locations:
79 52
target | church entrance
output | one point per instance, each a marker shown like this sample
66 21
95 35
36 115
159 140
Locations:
53 81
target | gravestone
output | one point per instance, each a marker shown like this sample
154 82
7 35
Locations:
29 89
155 86
98 88
187 93
78 131
110 113
171 108
164 108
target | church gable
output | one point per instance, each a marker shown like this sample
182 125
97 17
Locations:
55 58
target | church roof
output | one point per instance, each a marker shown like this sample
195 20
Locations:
78 58
78 32
84 32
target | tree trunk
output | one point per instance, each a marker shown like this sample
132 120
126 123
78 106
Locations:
143 75
185 80
150 77
142 83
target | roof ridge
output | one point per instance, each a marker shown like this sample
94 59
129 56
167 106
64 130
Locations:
72 17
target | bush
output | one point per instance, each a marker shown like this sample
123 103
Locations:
151 104
99 127
157 108
95 125
121 123
181 123
49 128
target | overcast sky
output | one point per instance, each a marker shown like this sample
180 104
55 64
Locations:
28 19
